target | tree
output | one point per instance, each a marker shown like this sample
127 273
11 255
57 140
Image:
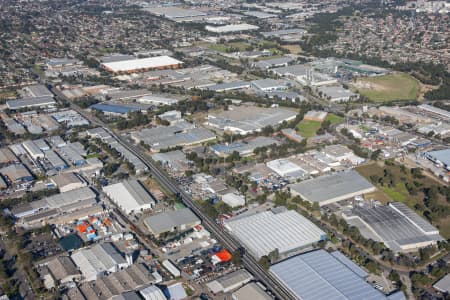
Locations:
264 261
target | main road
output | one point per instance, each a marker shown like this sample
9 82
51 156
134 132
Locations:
248 261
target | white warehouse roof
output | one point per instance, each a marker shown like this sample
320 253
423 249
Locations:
130 196
142 63
231 28
281 229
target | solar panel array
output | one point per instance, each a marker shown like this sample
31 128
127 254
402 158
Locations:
319 275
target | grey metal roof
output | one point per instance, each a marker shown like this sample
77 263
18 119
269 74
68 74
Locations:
332 186
251 291
443 285
166 221
441 155
319 275
413 217
30 102
394 229
235 85
349 264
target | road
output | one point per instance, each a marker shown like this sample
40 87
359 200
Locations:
248 261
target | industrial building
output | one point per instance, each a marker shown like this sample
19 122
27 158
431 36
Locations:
244 148
180 134
229 86
157 100
177 220
396 225
286 169
16 173
46 101
99 259
248 119
175 160
279 228
443 285
33 150
63 269
174 13
320 275
152 293
332 188
115 109
272 63
67 182
250 291
142 64
440 157
336 93
269 85
7 157
231 28
54 160
233 200
130 196
230 282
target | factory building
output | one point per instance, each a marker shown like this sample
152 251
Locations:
142 65
16 174
250 291
230 282
33 150
231 28
99 259
339 186
286 169
67 182
130 196
177 220
279 228
396 225
321 275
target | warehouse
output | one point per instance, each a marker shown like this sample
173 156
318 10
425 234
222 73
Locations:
7 157
142 64
157 100
279 228
244 148
176 220
248 119
332 188
33 150
233 200
31 102
73 152
16 173
97 260
272 63
174 13
180 134
250 291
63 269
54 159
286 169
396 225
269 85
67 182
231 28
336 93
230 281
440 157
115 109
320 275
130 196
229 86
175 160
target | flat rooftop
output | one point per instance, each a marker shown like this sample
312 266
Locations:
320 275
142 63
281 229
332 188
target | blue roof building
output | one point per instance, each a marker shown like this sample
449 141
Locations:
114 108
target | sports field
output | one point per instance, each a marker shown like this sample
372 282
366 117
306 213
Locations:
398 86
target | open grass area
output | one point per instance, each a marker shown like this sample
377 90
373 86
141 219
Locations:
398 86
239 46
308 128
293 49
334 119
393 181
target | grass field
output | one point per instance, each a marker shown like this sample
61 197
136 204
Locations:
399 86
240 46
308 128
334 119
398 191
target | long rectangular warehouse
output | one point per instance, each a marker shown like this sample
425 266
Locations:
398 227
320 275
281 229
142 64
332 188
130 196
